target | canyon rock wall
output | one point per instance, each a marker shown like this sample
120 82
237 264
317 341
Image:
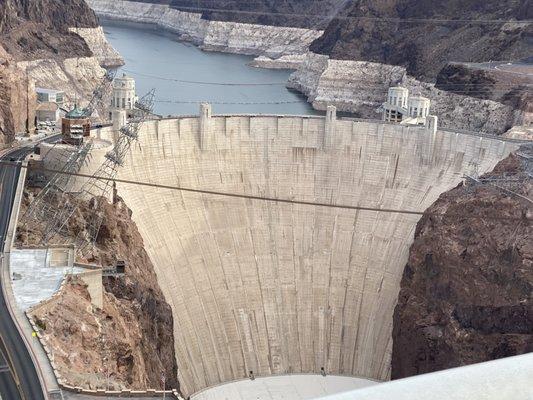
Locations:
360 87
466 290
77 77
229 37
17 100
492 81
373 30
313 14
129 341
95 38
32 29
43 50
279 288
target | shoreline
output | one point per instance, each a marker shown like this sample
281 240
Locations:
357 88
228 37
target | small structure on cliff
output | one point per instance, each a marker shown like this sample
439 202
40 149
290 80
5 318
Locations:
408 110
124 95
50 95
75 126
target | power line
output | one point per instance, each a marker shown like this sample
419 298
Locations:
230 102
205 82
259 198
363 18
476 87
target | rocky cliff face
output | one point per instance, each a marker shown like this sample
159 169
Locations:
483 81
466 290
95 39
313 14
40 29
131 338
17 100
369 30
53 44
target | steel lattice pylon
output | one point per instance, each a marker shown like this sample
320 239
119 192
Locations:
100 92
69 160
43 207
98 187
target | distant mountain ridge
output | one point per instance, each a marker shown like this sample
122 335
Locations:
425 47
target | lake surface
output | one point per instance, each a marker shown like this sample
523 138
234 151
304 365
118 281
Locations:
184 75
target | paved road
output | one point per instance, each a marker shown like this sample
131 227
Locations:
12 347
519 68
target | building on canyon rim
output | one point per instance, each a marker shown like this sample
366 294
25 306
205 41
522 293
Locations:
410 110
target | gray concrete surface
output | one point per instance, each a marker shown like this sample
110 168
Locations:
33 279
277 288
505 379
283 387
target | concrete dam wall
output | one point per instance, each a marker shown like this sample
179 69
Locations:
278 288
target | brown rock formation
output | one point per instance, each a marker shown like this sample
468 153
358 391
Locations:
17 100
480 80
425 48
33 29
30 30
297 13
135 323
466 291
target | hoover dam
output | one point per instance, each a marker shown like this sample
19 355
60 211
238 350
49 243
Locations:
260 288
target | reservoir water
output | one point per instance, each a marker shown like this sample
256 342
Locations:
184 75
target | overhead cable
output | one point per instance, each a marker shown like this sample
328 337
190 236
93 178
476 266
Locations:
262 198
363 18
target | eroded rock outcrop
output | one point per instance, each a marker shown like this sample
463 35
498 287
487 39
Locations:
466 290
360 87
17 100
77 77
95 38
130 340
33 29
43 50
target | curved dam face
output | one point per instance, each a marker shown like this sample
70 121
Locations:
278 288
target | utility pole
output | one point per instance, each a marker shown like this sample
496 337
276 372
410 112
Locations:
163 381
27 103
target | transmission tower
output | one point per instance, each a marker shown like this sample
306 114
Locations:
97 188
68 159
100 93
44 206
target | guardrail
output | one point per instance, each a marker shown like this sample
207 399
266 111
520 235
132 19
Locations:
6 279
